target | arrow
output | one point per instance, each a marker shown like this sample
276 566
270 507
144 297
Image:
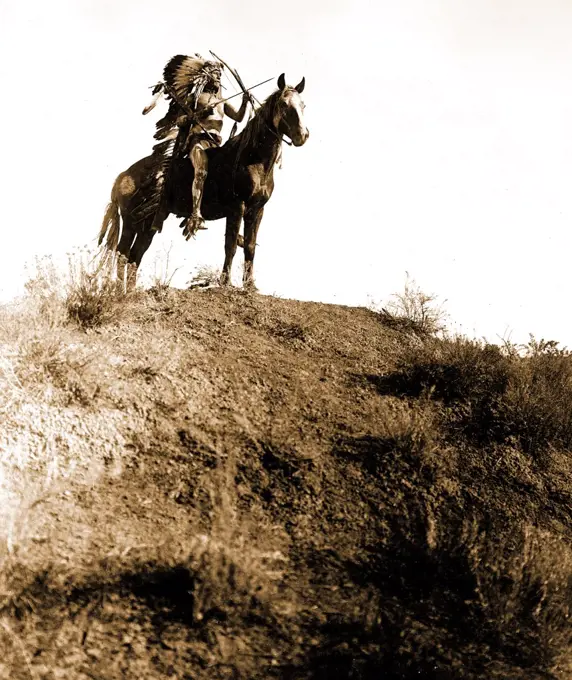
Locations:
247 89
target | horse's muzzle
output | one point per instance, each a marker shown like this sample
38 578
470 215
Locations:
302 138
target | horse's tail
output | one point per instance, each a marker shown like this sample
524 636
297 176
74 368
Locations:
111 225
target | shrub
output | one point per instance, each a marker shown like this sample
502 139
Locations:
414 311
538 402
468 377
453 595
490 393
205 276
92 295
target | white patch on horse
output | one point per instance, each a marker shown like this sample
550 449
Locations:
297 104
127 185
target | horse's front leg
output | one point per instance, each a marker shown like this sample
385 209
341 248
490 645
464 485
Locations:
252 219
233 221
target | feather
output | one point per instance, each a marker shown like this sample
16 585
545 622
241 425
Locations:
157 92
168 122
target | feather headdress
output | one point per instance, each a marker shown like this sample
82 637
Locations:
184 79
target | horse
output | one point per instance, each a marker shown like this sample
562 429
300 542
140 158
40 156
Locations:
239 183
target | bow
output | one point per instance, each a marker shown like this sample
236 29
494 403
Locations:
251 97
237 78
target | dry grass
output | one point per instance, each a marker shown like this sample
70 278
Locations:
258 488
236 572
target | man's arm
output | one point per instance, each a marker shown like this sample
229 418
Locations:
231 112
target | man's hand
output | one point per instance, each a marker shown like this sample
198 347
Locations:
237 116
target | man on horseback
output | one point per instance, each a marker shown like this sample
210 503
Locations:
138 192
194 123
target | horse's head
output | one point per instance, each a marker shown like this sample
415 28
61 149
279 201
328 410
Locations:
288 116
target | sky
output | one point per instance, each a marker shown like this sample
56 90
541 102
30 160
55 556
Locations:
440 145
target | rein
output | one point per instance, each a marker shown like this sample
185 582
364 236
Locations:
282 139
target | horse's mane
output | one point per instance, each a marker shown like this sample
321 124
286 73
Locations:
261 120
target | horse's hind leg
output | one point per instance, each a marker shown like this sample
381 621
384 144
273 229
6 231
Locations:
142 243
128 234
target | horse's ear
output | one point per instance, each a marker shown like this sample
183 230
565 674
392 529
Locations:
301 85
281 81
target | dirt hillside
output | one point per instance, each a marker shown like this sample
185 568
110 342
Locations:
212 484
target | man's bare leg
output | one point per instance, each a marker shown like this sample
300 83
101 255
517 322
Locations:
200 165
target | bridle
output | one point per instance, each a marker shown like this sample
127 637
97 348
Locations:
275 132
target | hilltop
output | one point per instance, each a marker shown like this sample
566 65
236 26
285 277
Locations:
212 484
